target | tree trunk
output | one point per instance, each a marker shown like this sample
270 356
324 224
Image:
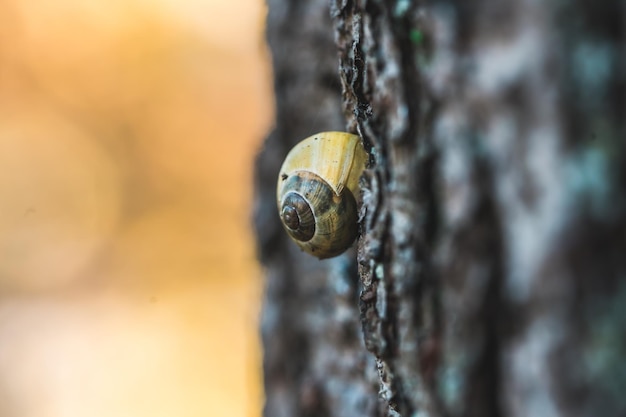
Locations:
491 275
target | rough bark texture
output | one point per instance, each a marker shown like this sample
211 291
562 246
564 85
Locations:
314 361
492 259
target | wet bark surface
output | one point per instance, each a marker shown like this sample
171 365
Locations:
490 274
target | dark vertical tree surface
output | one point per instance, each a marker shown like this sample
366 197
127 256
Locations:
489 278
314 360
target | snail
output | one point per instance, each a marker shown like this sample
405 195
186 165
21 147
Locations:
318 192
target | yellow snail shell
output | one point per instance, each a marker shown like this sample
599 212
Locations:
318 190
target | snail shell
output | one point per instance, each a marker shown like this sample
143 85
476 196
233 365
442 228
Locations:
318 192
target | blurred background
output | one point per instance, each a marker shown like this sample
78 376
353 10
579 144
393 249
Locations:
128 280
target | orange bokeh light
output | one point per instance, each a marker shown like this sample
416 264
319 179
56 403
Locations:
128 280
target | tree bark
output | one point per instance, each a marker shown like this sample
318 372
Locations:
491 277
314 361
